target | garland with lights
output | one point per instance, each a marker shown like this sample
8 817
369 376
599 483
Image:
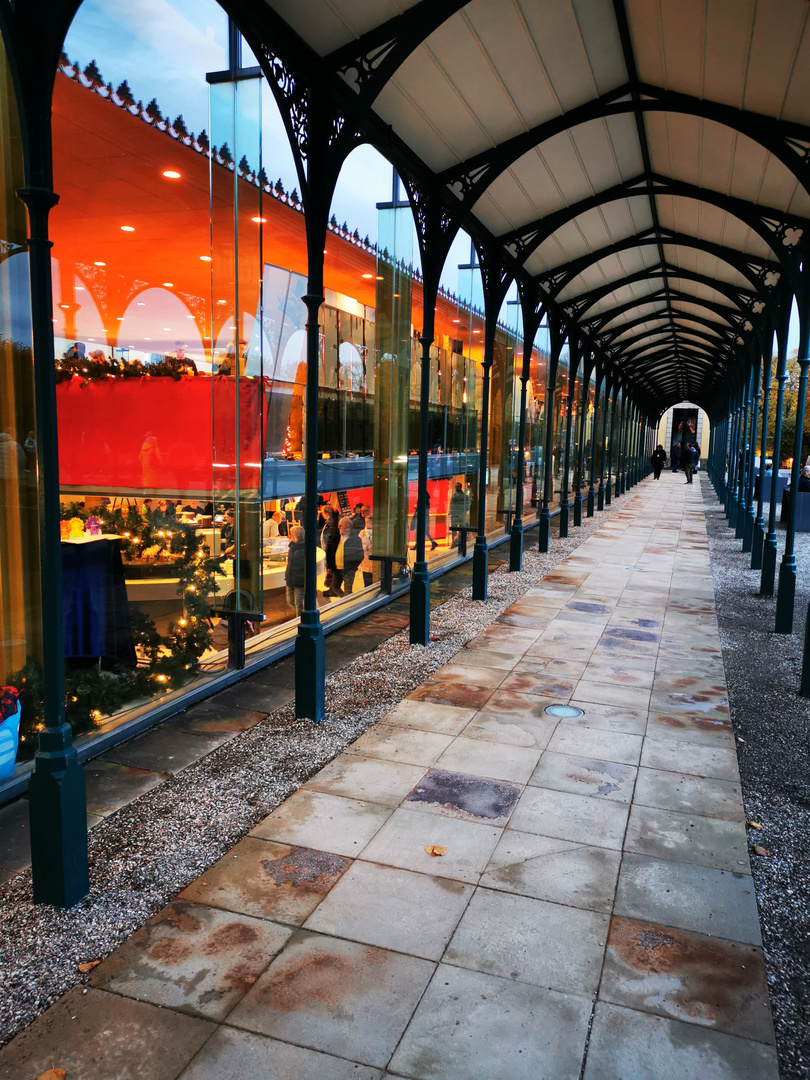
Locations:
164 662
97 367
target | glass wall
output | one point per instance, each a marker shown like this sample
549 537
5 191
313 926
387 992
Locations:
20 630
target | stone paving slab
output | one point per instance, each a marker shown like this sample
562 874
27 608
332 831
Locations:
475 881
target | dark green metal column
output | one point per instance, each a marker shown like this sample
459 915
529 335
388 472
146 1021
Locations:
583 409
609 486
734 467
600 494
786 590
555 333
758 536
532 316
597 393
748 524
768 577
420 577
56 790
745 447
573 364
619 435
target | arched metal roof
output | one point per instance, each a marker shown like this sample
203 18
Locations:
644 164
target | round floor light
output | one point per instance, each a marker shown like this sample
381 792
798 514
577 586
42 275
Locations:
565 711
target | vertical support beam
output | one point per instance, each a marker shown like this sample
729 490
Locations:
745 447
619 436
768 576
583 410
420 576
481 549
748 523
786 590
573 364
551 382
609 475
758 538
600 495
56 790
596 396
531 321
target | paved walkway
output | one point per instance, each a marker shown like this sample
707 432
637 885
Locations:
477 889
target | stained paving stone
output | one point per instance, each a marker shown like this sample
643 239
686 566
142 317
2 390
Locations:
272 881
569 816
164 751
690 758
372 779
94 1035
395 909
546 684
403 838
693 794
499 761
688 838
702 980
492 725
469 798
193 958
396 743
313 819
555 870
606 745
585 776
691 729
239 1055
607 718
716 902
424 716
456 692
470 1025
631 1044
342 997
110 786
518 937
611 693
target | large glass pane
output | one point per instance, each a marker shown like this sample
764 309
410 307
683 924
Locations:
20 634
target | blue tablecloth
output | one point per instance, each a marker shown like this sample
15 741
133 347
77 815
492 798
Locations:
94 598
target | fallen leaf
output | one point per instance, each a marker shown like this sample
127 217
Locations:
84 968
754 825
759 850
739 739
53 1074
436 849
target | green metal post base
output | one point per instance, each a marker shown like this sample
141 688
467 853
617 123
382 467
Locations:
757 540
804 687
516 547
608 492
768 576
480 573
739 526
600 497
589 504
748 530
420 605
544 529
563 519
577 510
58 819
733 507
624 484
310 668
785 595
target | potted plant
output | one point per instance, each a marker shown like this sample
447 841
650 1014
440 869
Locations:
10 710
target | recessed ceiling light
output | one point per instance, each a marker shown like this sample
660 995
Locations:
259 220
64 305
168 329
141 303
205 258
171 174
168 284
78 288
127 228
99 264
222 301
367 275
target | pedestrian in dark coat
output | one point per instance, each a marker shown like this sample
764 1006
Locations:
659 460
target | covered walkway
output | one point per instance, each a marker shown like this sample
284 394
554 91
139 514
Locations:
587 902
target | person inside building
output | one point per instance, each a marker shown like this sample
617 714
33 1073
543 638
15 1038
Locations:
358 520
457 511
675 456
659 460
330 538
348 557
367 566
804 479
294 573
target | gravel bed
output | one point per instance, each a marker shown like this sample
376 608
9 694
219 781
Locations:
772 724
148 851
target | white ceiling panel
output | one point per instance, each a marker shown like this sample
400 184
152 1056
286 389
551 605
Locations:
700 262
708 222
328 24
635 291
613 268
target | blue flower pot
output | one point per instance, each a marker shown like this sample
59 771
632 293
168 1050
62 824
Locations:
9 739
